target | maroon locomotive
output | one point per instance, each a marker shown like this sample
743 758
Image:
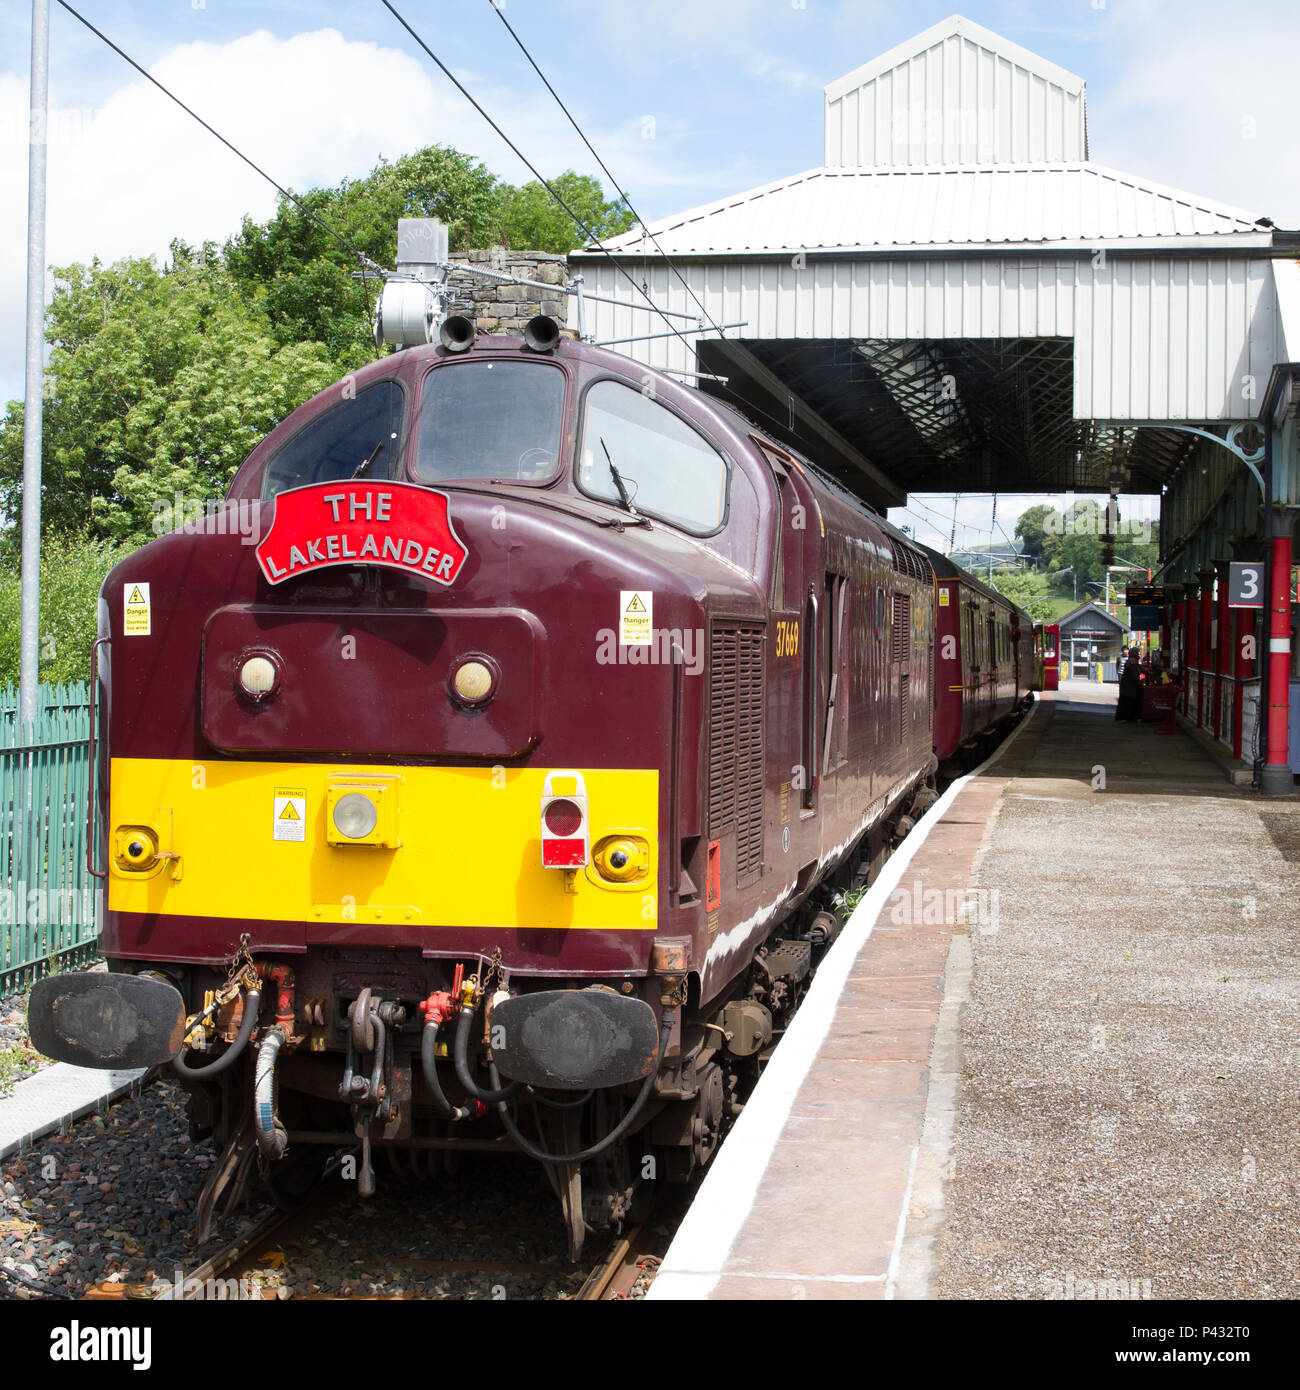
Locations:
479 776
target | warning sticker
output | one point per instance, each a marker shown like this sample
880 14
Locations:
135 610
635 617
290 822
943 598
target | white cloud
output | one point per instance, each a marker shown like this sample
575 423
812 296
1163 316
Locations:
129 175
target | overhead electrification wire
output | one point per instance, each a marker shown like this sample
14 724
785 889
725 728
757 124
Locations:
627 202
532 168
284 192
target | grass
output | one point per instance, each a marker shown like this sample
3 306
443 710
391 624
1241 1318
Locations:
16 1062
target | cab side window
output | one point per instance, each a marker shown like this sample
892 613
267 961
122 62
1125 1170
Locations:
357 439
633 445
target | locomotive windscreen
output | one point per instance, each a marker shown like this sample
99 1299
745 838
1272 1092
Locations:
491 420
356 439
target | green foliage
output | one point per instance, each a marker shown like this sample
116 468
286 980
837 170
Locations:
1026 590
302 276
531 220
1066 547
160 381
72 570
1031 531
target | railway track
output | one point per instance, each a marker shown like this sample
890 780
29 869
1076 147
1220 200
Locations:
269 1261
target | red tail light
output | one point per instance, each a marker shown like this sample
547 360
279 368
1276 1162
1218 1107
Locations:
566 837
563 817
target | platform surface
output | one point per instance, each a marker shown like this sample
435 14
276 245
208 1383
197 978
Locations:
55 1097
1057 1062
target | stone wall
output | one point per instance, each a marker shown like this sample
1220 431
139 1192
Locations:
501 308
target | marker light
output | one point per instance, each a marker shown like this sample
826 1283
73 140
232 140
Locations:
473 681
566 843
355 815
563 817
257 677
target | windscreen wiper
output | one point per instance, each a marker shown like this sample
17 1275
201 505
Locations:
363 468
618 481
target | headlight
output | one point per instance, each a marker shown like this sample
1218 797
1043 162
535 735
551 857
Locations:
355 815
258 677
474 681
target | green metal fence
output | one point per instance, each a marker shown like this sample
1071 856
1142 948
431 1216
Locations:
49 917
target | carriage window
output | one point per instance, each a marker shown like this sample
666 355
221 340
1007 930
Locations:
358 439
665 467
481 420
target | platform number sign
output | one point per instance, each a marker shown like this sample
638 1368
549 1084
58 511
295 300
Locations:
1245 585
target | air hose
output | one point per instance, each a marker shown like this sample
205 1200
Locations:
252 1002
619 1130
461 1051
429 1060
272 1137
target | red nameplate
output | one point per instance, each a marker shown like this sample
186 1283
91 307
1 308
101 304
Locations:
363 522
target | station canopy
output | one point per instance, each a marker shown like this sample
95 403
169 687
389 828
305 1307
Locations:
958 298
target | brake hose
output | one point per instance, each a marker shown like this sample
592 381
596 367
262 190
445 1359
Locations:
461 1051
252 1002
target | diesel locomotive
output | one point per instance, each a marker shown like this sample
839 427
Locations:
478 777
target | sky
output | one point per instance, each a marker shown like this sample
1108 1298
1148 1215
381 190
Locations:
686 103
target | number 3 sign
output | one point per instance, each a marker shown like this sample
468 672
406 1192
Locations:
1245 585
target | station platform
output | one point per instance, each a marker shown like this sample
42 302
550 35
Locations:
1051 1055
55 1097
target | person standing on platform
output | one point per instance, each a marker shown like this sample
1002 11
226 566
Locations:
1128 707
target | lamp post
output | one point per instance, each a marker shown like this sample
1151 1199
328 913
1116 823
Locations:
30 565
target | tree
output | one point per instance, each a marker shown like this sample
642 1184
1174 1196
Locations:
1033 530
1025 590
72 570
160 381
530 219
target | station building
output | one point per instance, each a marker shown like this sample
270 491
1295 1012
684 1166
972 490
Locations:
960 298
1092 643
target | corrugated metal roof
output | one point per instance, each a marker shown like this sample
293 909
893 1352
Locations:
1053 206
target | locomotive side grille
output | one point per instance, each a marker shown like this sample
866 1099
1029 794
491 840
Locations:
736 741
902 644
904 711
722 729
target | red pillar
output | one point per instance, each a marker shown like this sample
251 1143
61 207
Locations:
1205 657
1192 631
1275 778
1223 647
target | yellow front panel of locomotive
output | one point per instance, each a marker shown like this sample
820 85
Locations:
253 840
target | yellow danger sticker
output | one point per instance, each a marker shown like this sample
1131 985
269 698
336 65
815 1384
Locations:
135 610
290 819
635 617
943 598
